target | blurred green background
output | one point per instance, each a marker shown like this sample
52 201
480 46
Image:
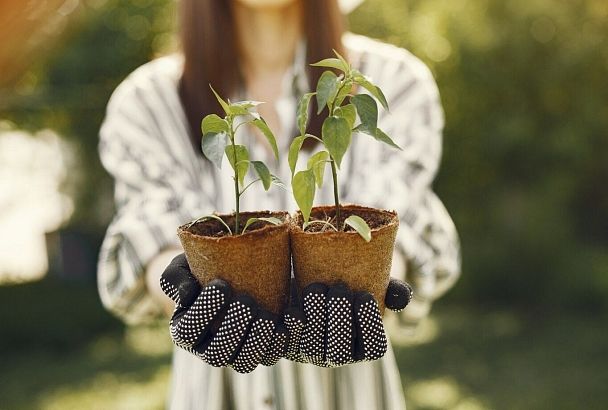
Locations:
524 84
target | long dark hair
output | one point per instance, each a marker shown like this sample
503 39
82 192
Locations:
208 42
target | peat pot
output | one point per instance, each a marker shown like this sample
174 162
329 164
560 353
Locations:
324 255
256 263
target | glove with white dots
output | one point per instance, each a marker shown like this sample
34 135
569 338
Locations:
332 326
218 326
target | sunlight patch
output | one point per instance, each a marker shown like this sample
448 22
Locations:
32 170
441 393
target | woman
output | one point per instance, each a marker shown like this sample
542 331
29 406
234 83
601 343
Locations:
260 50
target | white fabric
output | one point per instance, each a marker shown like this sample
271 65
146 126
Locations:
161 183
349 5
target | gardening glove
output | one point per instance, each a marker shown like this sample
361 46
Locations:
332 326
218 326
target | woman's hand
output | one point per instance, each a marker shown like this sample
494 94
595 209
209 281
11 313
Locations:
333 326
219 327
154 270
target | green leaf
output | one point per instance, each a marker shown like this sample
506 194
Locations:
242 160
327 87
272 220
332 63
262 170
262 126
303 185
247 104
317 163
294 150
204 218
343 92
244 108
213 146
373 89
223 103
336 136
368 112
379 135
344 62
236 109
214 123
347 112
302 115
359 225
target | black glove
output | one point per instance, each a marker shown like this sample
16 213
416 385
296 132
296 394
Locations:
221 328
332 326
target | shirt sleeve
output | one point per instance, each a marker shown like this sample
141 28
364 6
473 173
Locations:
154 194
427 251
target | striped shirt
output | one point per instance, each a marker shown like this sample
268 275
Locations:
160 183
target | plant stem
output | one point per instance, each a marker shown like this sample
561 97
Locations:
236 183
334 174
237 196
334 171
342 84
248 185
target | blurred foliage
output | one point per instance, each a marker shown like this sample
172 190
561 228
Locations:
44 311
470 359
69 90
503 359
525 92
61 350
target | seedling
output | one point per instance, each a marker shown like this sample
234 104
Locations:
344 107
219 140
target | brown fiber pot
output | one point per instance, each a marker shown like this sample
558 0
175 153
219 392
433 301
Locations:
256 263
331 257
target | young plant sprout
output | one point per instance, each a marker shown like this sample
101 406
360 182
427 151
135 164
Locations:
336 93
219 140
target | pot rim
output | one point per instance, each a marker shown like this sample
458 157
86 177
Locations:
297 229
264 230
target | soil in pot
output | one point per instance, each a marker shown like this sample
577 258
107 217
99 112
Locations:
256 263
321 254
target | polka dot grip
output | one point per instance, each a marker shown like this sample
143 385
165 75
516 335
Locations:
256 344
371 341
277 348
178 283
312 343
194 324
218 327
225 343
338 327
294 323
